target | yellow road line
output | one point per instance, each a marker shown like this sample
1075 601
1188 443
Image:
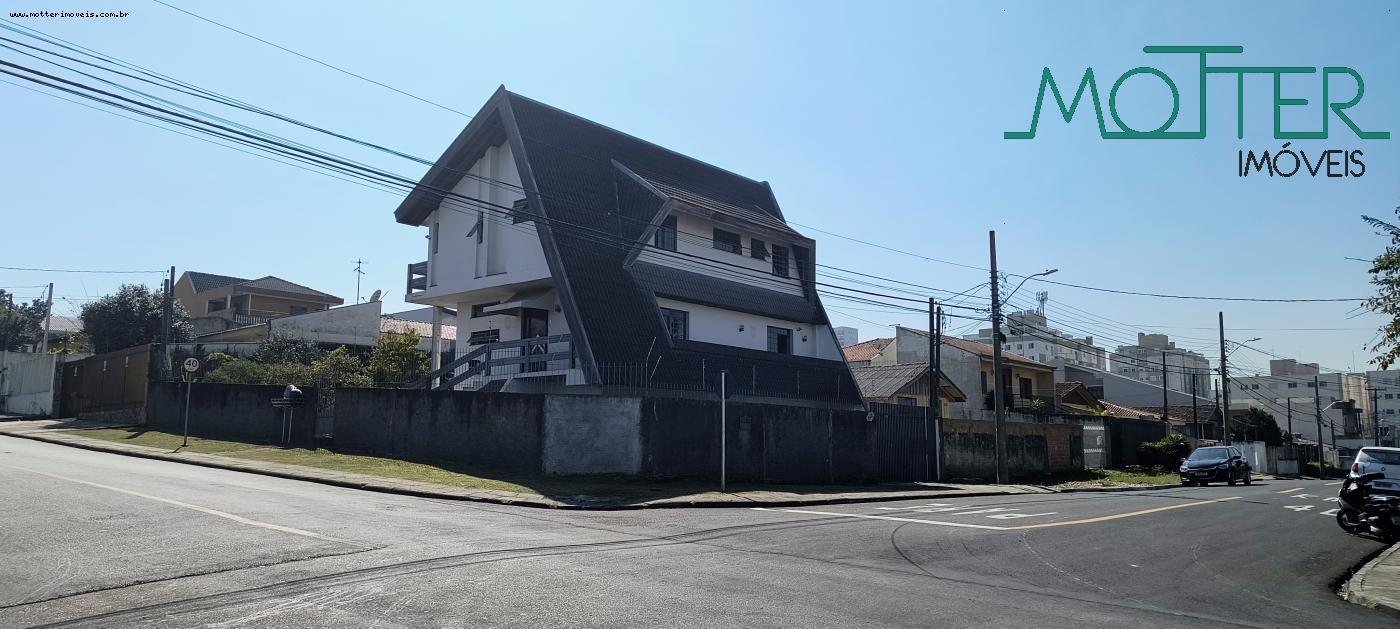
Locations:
1121 515
1289 491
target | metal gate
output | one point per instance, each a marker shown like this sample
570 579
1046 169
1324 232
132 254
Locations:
902 447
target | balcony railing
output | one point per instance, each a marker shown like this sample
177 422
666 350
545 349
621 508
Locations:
495 361
1023 403
417 277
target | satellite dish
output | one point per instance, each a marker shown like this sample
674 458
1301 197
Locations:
375 296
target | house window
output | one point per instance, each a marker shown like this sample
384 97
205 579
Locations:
1254 386
1389 396
1388 411
1322 384
905 400
436 230
1310 385
780 261
677 323
520 211
666 234
1293 385
728 241
1030 345
482 337
478 229
1026 388
216 305
479 310
296 310
799 255
779 340
758 249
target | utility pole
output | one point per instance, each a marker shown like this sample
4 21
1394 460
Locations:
998 396
1164 385
48 318
1224 383
167 332
358 274
1317 408
935 400
1195 417
1290 419
1375 414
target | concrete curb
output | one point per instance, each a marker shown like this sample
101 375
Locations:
1116 489
443 492
1362 589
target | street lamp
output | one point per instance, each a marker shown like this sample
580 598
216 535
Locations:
1028 278
998 395
1239 344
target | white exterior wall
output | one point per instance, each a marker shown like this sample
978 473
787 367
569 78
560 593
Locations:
509 325
1388 397
694 237
508 254
349 325
716 325
27 383
1144 363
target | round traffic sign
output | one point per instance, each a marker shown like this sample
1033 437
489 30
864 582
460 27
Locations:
191 365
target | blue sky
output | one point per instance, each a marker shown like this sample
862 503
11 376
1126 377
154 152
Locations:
881 121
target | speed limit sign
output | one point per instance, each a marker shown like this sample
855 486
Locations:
191 365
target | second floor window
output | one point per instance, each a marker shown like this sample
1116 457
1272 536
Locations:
216 305
677 323
482 337
728 241
780 261
666 234
779 340
757 249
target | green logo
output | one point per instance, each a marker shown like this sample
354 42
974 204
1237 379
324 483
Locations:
1164 132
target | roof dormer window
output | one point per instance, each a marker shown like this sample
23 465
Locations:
728 241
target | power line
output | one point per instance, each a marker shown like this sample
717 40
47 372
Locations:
22 268
314 60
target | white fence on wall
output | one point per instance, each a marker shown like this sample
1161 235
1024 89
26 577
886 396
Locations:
27 383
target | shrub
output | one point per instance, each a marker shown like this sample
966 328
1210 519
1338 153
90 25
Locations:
1166 452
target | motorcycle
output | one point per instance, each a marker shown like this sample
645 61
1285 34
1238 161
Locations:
1362 511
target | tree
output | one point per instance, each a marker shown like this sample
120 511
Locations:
21 325
131 316
1257 425
285 349
396 360
1385 276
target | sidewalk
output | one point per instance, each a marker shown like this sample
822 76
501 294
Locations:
69 433
1377 584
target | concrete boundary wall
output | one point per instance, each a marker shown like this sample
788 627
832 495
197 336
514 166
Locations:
27 383
592 435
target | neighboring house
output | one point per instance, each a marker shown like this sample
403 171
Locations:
359 325
221 302
869 352
576 254
1203 421
1143 362
1028 334
1287 391
1122 390
425 315
906 385
1030 385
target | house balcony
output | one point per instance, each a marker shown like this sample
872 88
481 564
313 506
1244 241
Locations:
417 278
1034 404
536 357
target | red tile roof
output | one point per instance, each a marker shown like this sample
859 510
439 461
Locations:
861 352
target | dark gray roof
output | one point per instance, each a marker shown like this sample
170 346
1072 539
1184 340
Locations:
208 281
591 213
202 282
709 290
883 381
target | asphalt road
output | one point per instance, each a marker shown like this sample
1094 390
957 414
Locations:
101 540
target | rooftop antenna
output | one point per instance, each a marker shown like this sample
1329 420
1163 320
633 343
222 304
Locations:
1041 297
358 274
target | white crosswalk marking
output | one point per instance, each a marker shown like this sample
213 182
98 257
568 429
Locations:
1330 512
993 510
1299 507
1013 516
1302 496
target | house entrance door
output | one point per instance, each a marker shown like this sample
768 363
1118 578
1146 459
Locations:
534 323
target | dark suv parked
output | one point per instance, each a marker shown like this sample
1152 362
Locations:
1214 464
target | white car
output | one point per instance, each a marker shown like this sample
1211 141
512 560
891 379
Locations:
1377 459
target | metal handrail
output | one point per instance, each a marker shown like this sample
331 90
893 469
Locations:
487 350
